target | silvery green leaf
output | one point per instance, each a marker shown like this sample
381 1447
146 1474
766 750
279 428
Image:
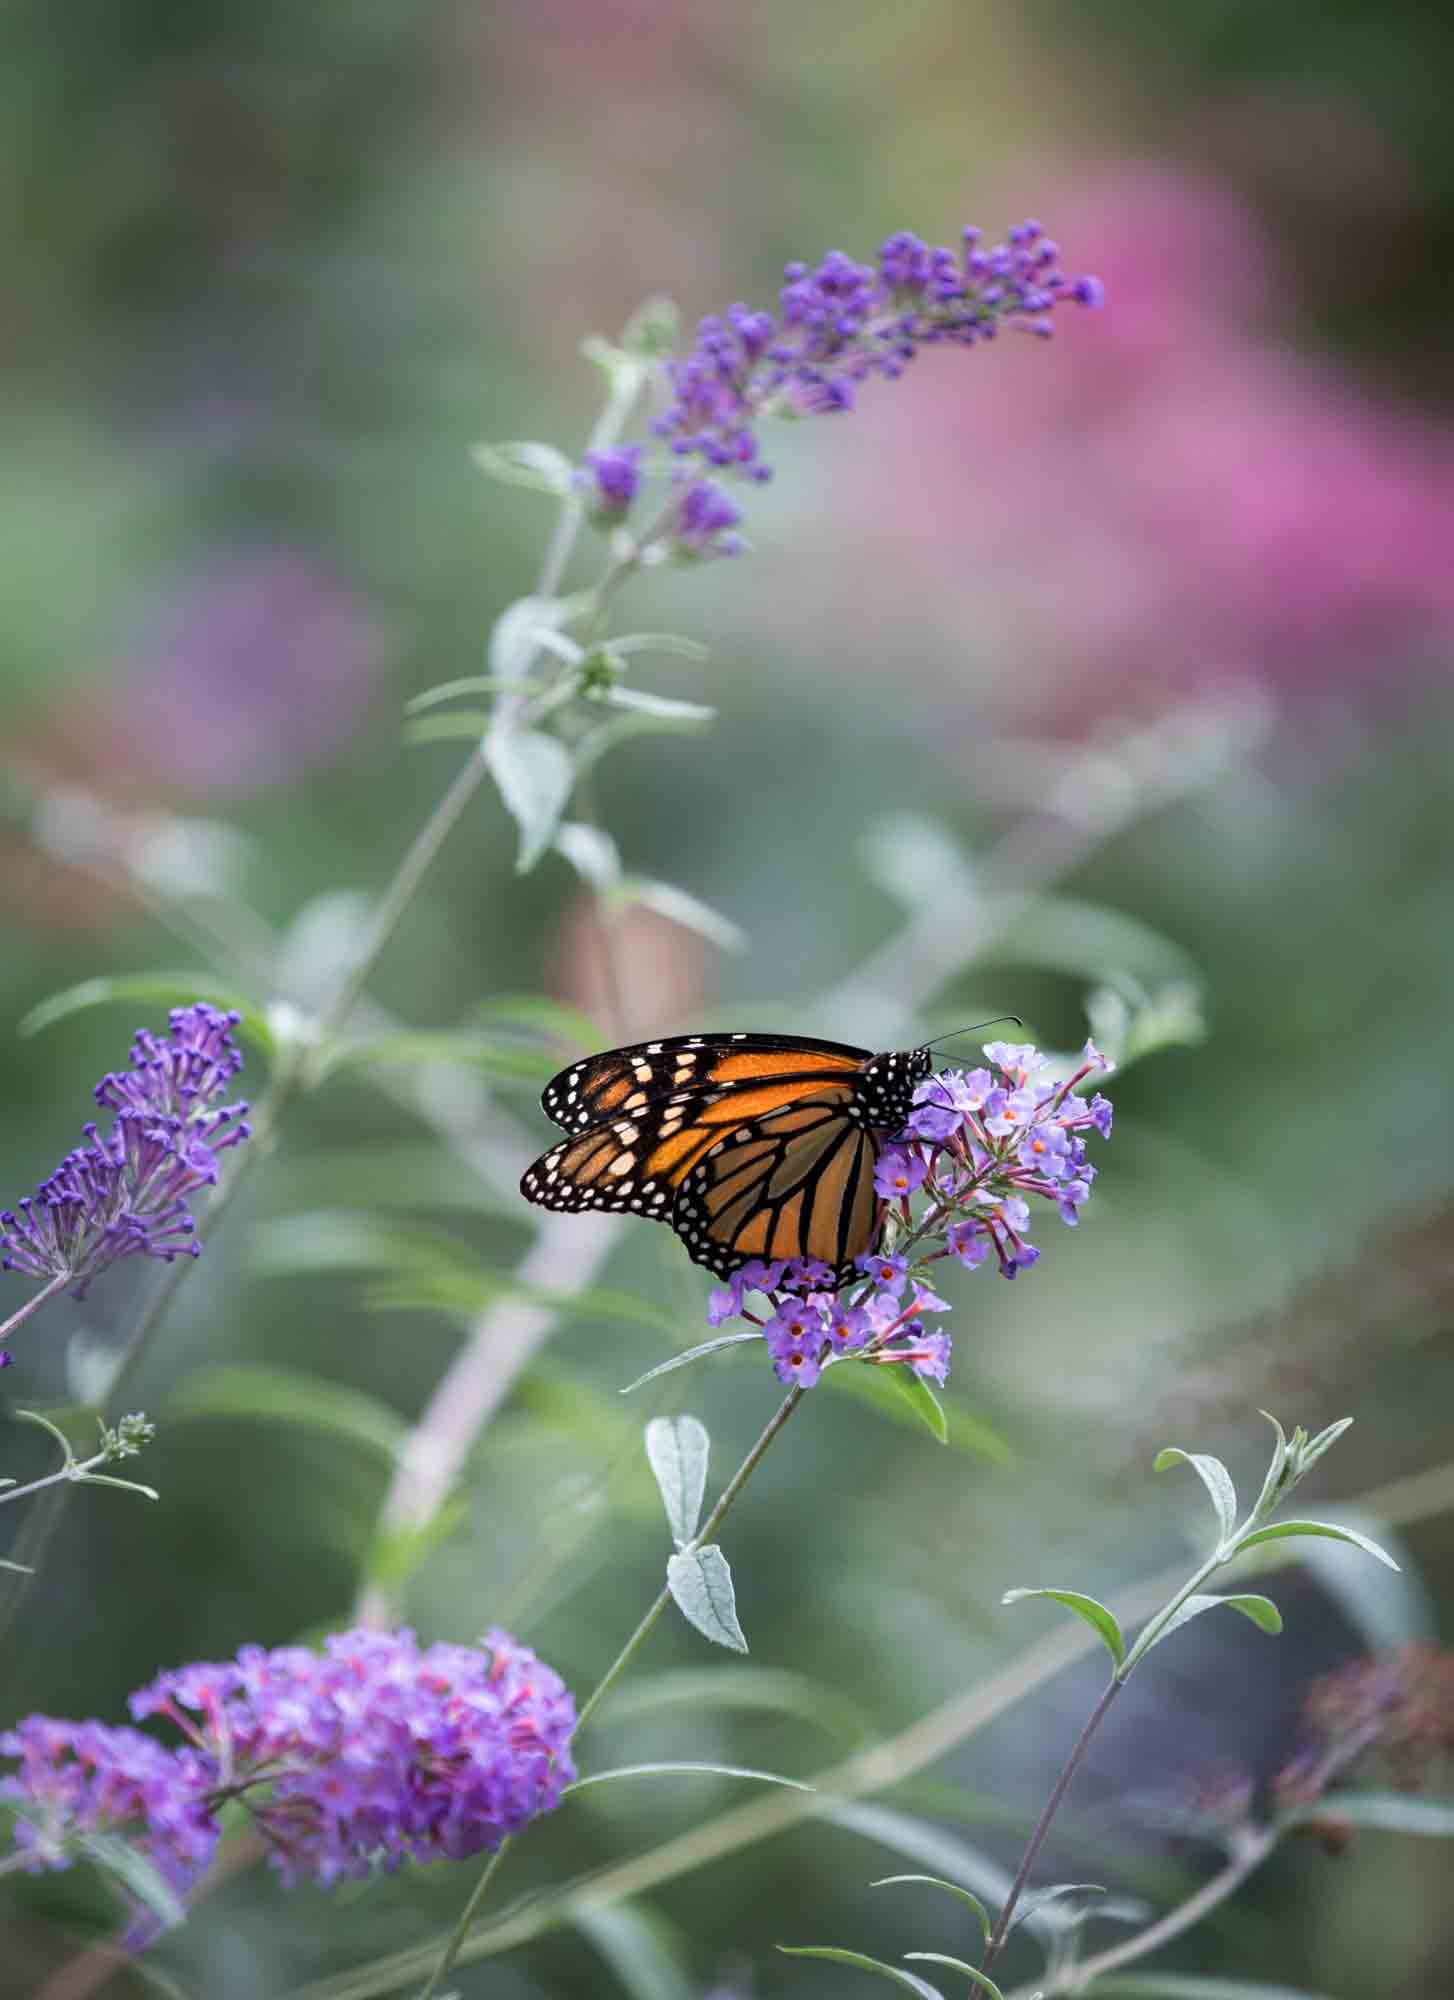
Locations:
1101 1619
682 713
136 1875
515 637
621 728
677 1449
701 1585
167 989
1214 1476
1272 1485
534 773
986 1922
34 1417
624 371
593 854
681 908
686 1770
925 1842
1038 1899
970 1972
1389 1607
1281 1530
1261 1610
660 642
539 466
858 1959
1391 1812
451 691
689 1355
1324 1441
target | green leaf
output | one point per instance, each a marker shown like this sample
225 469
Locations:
660 642
490 1056
980 1979
1035 1900
700 1582
687 1770
1390 1608
653 329
1389 1812
679 908
766 1689
256 1394
1261 1610
34 1417
1098 1616
135 1874
960 1425
515 638
898 1392
1281 1530
925 1842
455 725
688 1356
593 854
1128 1031
452 690
540 467
676 1449
1214 1476
534 773
161 989
862 1963
680 714
593 746
986 1922
636 1948
552 1018
126 1485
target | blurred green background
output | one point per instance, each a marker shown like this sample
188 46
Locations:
1136 648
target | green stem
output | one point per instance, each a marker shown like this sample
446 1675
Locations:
1042 1825
613 1673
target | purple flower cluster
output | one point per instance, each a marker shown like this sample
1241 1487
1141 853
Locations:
375 1752
978 1147
838 325
125 1193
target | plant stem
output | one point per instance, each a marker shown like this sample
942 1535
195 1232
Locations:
613 1673
34 1304
1042 1825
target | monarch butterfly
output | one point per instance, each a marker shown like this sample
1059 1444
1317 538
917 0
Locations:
748 1146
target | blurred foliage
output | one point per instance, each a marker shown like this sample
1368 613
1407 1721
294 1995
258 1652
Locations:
273 271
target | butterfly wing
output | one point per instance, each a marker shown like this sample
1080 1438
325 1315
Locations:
629 1081
796 1182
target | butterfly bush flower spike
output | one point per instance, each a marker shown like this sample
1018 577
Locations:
839 324
125 1193
980 1149
375 1752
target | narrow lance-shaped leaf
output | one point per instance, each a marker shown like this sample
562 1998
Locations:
1263 1613
1281 1530
540 467
701 1585
970 1972
167 989
678 1770
1100 1618
689 1355
677 1449
862 1963
986 1922
1214 1476
1035 1900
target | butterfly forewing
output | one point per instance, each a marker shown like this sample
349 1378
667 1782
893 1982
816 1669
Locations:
748 1145
628 1080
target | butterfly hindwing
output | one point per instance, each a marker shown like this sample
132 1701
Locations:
626 1081
797 1182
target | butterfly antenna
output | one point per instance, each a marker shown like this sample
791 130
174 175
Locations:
974 1029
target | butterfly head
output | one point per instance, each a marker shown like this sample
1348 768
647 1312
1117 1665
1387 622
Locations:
886 1093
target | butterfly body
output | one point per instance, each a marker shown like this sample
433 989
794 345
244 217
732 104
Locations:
748 1146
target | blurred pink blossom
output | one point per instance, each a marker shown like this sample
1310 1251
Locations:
1184 492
